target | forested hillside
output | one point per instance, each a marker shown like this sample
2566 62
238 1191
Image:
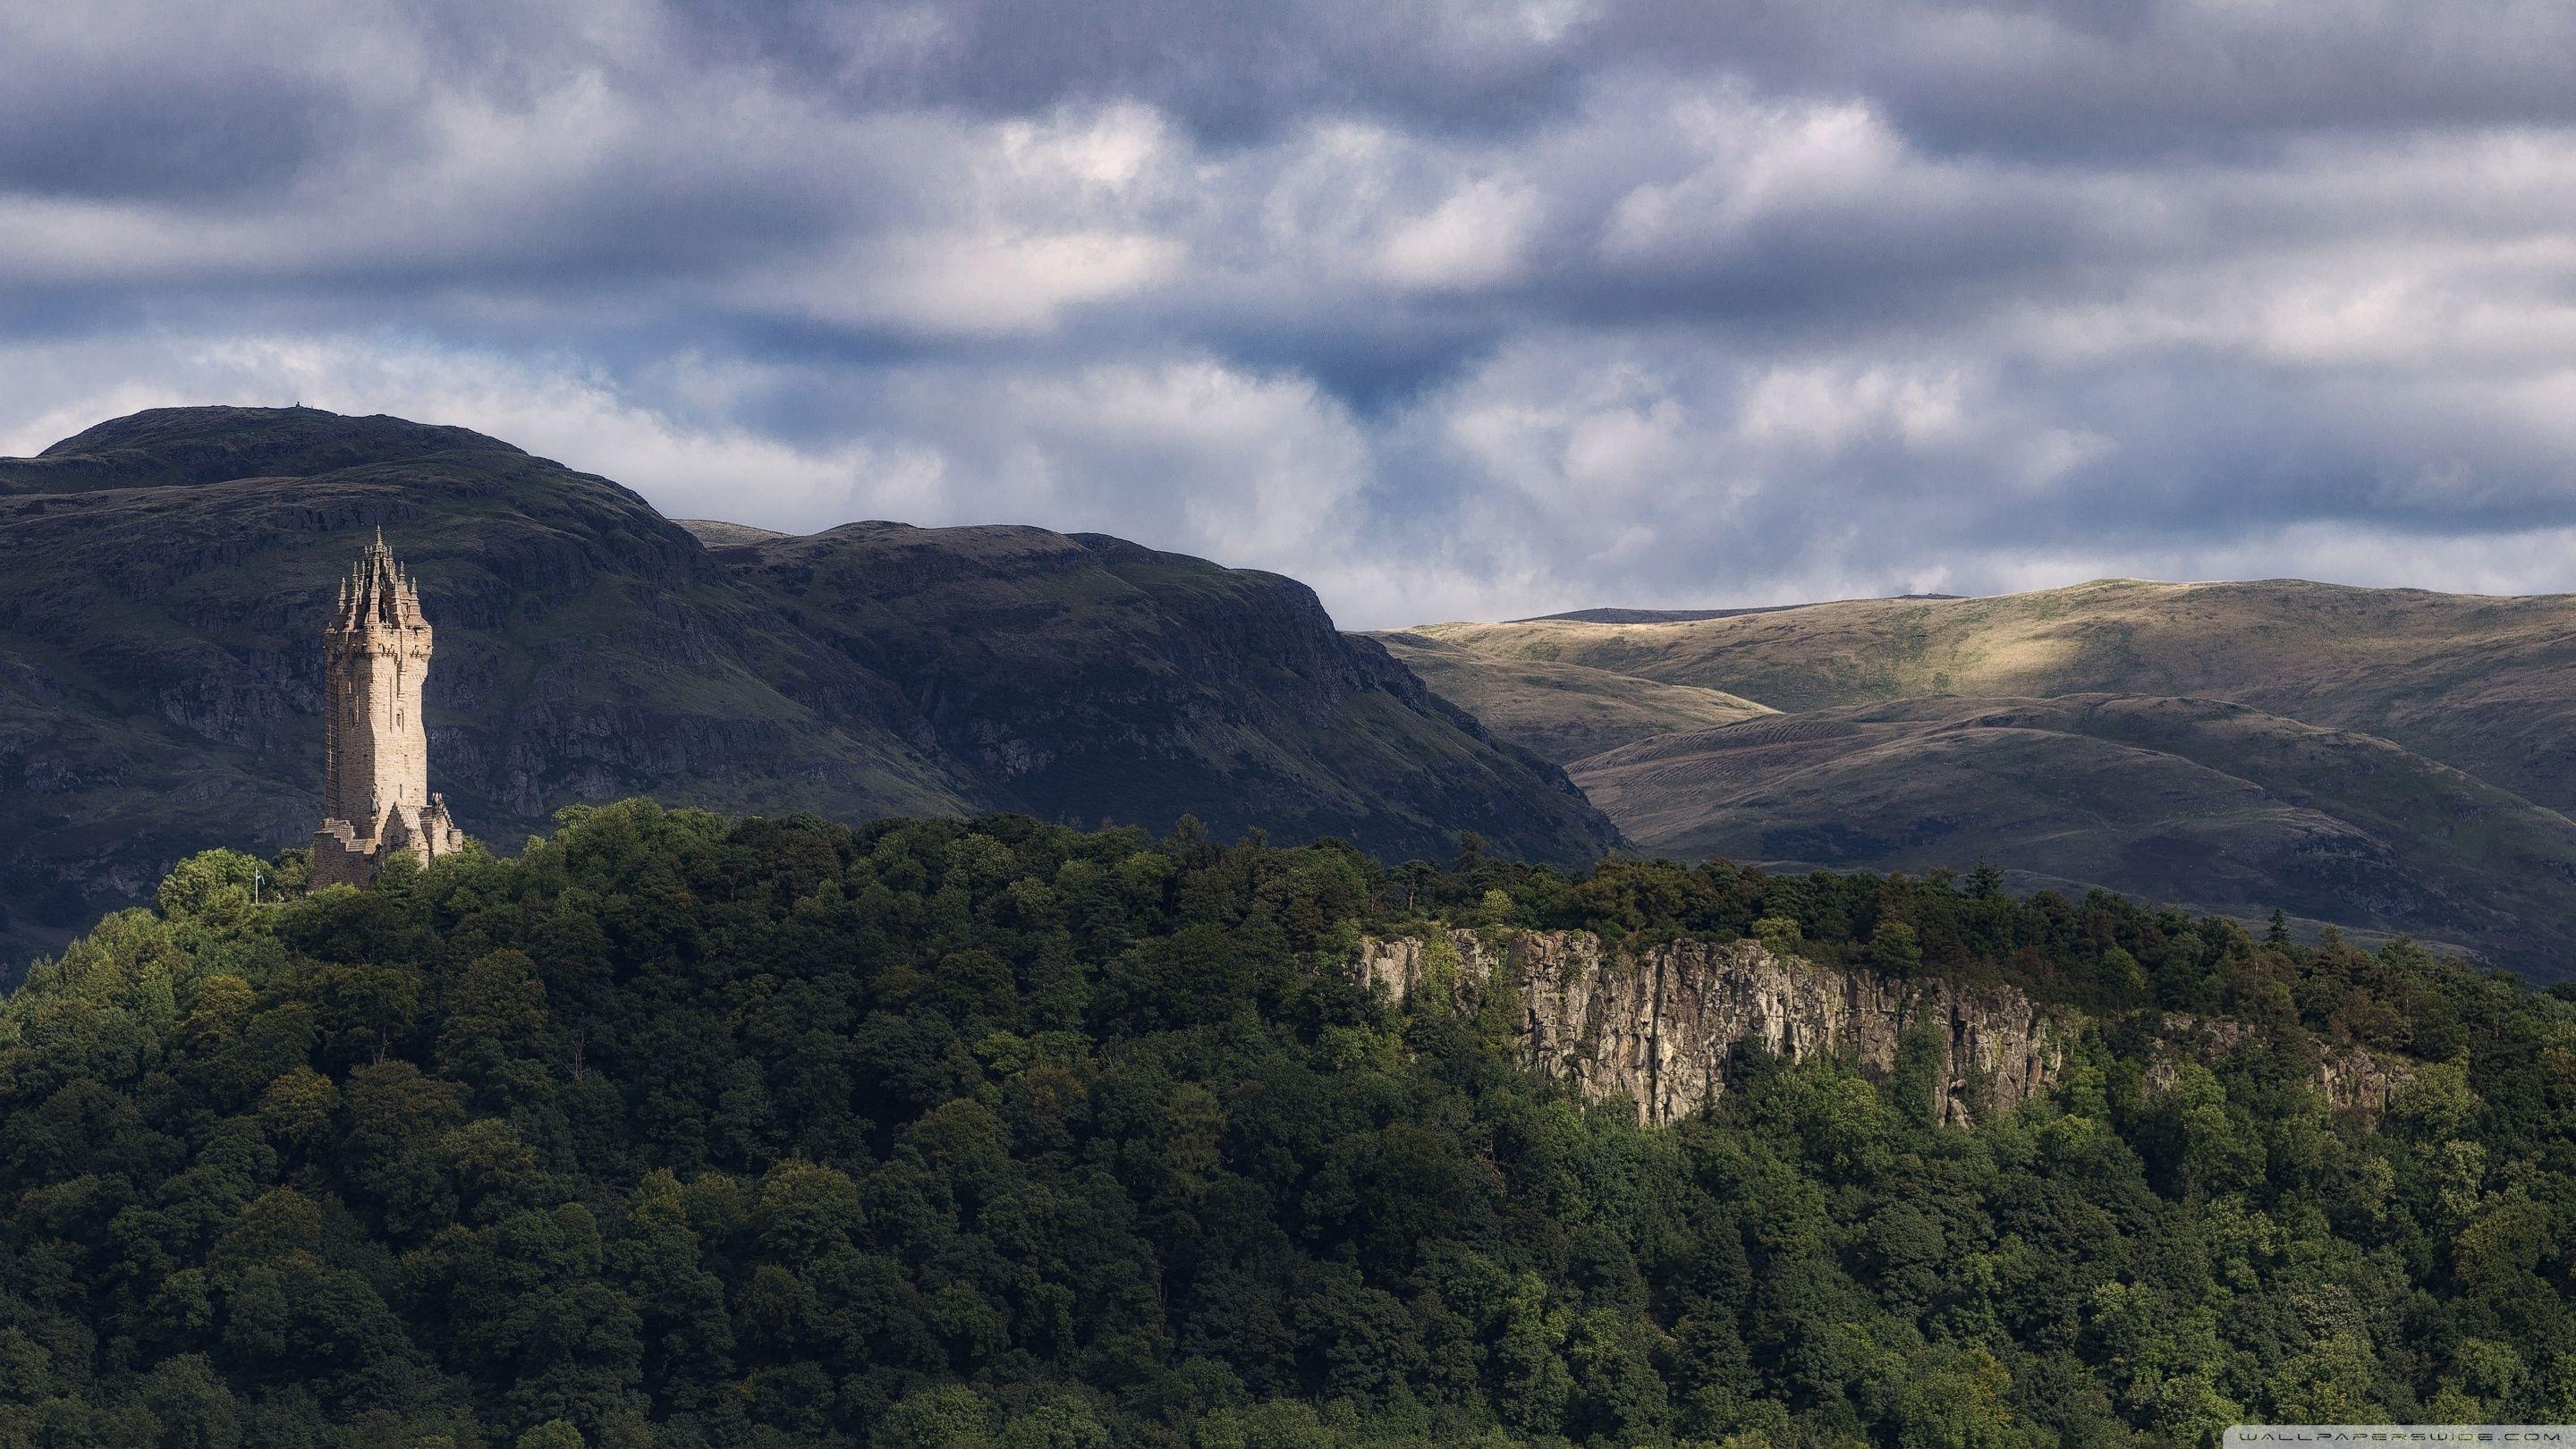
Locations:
679 1132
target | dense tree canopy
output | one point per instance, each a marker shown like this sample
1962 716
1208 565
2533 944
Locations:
681 1132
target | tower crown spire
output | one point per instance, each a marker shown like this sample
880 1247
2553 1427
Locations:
378 594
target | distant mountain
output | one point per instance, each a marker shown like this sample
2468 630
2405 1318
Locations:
2196 802
2390 760
167 574
1081 677
2485 684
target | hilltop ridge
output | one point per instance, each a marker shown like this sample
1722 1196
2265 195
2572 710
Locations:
194 446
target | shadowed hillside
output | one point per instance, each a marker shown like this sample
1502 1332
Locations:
1563 711
2202 803
160 651
2486 684
1083 677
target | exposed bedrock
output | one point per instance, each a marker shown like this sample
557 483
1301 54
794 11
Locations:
1658 1026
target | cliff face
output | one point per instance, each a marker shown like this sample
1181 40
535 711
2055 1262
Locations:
1658 1027
1077 676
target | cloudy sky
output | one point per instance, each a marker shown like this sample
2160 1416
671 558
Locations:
1453 308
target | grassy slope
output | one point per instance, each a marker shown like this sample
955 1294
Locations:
2399 762
1563 712
2475 682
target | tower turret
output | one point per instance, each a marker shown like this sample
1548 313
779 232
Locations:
375 773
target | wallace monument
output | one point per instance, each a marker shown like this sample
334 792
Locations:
375 772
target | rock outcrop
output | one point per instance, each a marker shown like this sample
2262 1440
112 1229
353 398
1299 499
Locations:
1658 1027
2353 1078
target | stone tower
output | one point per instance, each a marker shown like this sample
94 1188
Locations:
375 772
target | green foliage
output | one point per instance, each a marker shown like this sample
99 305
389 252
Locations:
678 1132
1894 948
1778 935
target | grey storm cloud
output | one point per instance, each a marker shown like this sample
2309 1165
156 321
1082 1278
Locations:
2033 78
1454 307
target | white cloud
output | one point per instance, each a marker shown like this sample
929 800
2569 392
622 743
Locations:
969 283
1474 238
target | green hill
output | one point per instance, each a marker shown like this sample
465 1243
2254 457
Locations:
167 576
673 1132
1563 712
2474 682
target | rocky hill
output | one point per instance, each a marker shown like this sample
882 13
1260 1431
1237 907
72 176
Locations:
1083 677
2382 760
167 576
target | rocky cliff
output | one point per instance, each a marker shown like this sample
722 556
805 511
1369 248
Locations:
1076 676
1658 1027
